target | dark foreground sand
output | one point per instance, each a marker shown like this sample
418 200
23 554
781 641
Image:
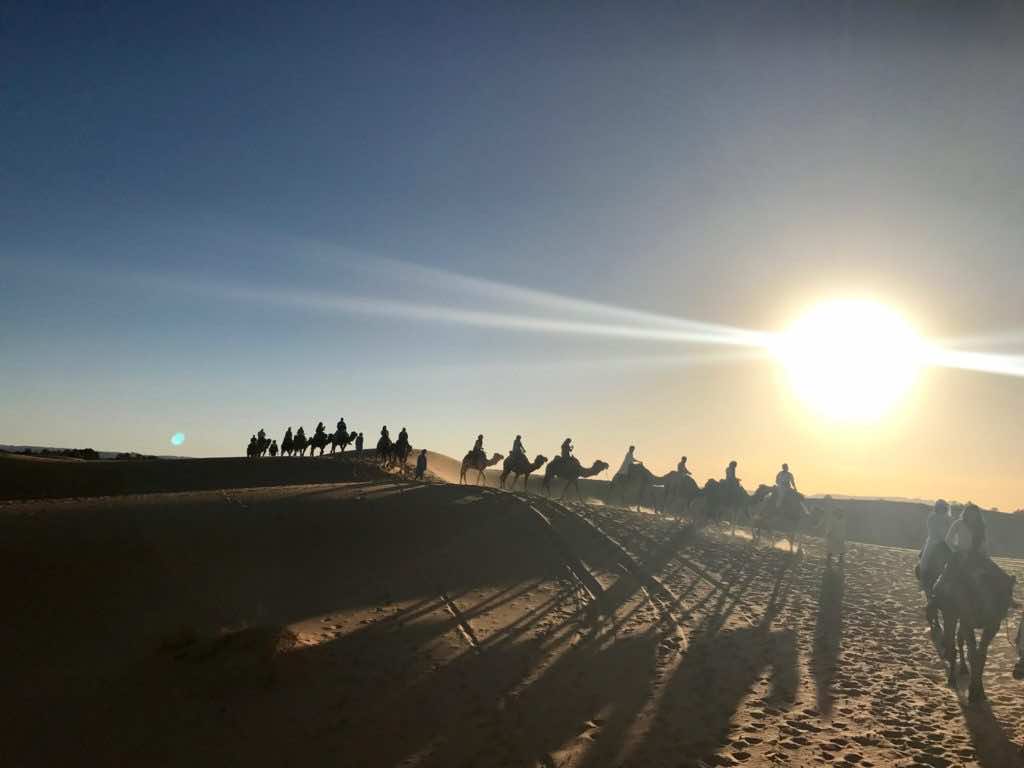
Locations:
384 623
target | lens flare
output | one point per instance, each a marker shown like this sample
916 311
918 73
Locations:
178 438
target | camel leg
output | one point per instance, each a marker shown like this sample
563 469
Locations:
975 655
949 627
987 636
961 643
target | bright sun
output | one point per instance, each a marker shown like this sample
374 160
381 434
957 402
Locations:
851 359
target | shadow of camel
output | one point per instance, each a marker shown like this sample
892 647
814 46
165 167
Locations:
994 749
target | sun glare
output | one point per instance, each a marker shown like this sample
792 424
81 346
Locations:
851 359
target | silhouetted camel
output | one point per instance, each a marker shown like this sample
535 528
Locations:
571 471
519 465
342 440
964 611
479 462
681 490
299 442
383 448
724 500
769 518
639 478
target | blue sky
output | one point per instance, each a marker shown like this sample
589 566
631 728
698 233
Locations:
175 178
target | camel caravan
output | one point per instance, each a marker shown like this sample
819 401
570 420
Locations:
967 592
296 444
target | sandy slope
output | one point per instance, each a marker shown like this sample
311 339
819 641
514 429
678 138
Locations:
386 623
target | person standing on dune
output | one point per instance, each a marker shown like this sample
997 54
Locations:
421 464
359 442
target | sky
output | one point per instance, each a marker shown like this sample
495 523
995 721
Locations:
216 219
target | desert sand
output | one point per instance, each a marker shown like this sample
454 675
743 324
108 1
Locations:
321 612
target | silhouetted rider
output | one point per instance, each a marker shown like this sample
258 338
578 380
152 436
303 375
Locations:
784 483
627 464
478 446
567 448
730 474
517 446
681 467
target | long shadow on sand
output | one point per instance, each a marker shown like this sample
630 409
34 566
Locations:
828 631
376 697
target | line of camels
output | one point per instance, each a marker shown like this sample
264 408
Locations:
717 501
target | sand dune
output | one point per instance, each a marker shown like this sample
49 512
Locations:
383 623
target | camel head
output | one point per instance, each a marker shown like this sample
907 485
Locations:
597 468
762 492
540 461
495 459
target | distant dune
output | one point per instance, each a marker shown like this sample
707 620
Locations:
31 477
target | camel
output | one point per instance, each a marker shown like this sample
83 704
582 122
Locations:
341 440
963 611
398 454
383 447
770 518
479 462
299 442
319 440
927 579
680 490
721 498
641 478
571 471
519 465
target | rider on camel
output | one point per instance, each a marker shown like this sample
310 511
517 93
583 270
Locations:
403 437
517 447
567 449
319 429
384 433
627 464
784 483
936 527
681 467
478 446
342 429
730 474
969 541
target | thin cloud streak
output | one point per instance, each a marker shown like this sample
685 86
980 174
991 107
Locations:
756 344
498 320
